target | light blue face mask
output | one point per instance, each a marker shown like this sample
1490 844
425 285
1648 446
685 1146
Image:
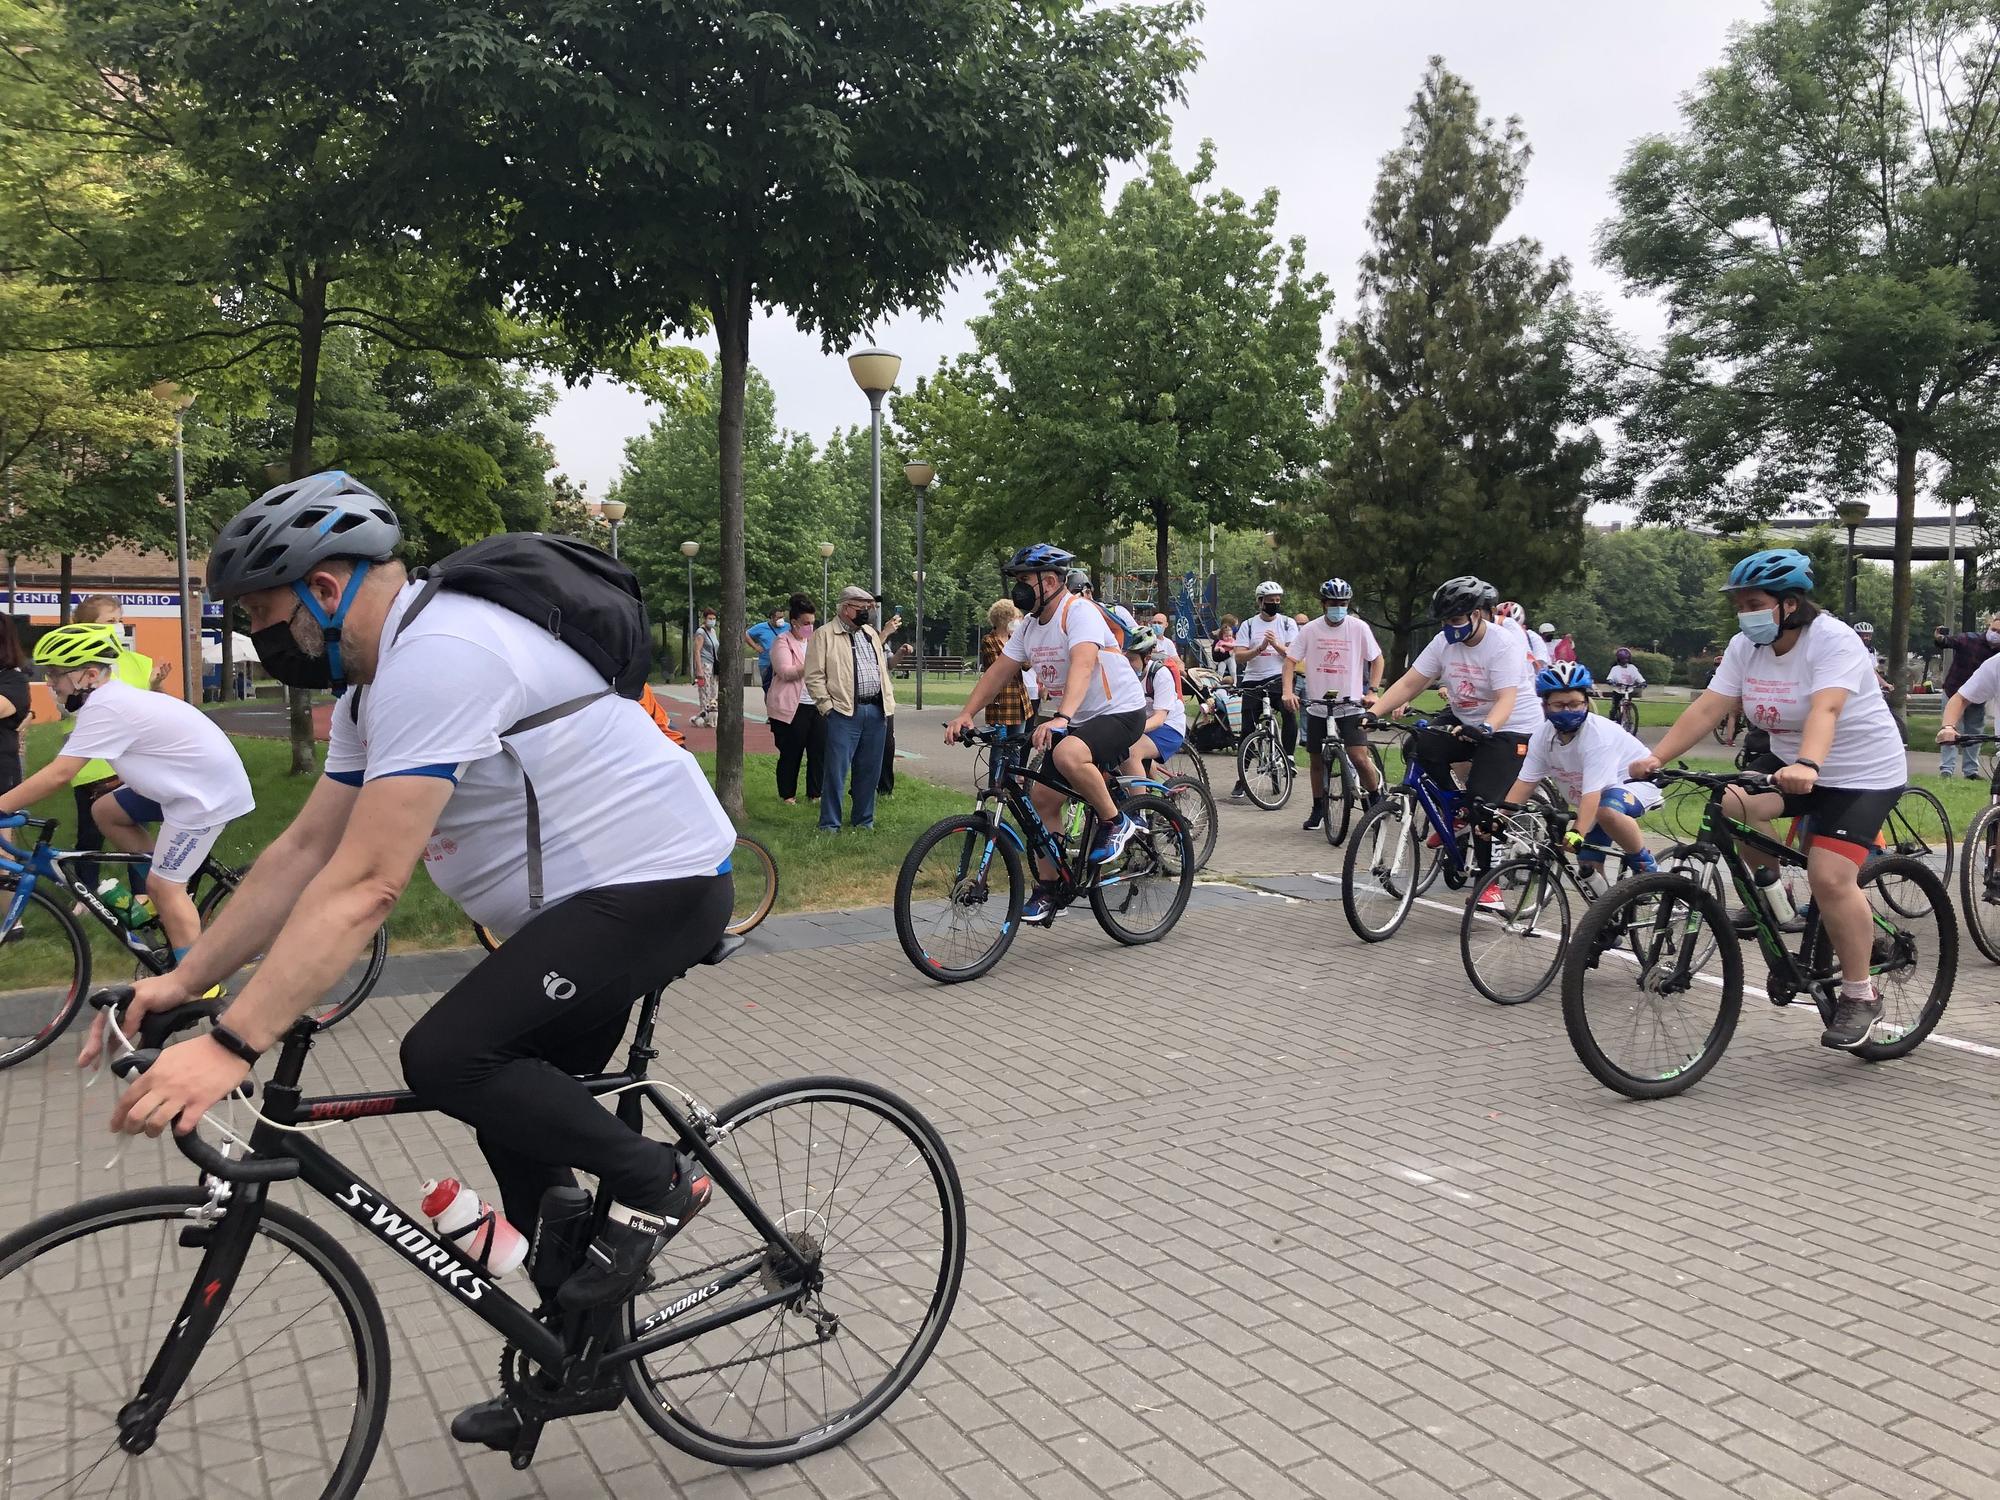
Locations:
1759 626
1457 634
1335 613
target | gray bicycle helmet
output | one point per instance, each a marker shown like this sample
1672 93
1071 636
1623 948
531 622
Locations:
1461 596
285 532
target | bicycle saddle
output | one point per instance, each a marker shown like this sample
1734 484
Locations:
725 949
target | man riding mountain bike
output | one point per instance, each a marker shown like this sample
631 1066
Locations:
457 712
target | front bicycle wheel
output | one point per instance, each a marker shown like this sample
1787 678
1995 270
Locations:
1916 953
1265 769
1138 896
1192 800
1979 882
1513 949
959 896
44 974
1384 865
1652 986
1918 828
755 874
287 1393
865 1190
356 982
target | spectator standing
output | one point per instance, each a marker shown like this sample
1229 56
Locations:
795 721
1010 704
13 704
898 660
848 677
760 636
707 648
1968 651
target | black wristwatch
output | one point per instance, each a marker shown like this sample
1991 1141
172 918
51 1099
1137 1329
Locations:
229 1041
1811 765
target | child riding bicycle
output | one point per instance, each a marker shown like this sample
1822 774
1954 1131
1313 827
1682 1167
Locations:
1166 712
1587 755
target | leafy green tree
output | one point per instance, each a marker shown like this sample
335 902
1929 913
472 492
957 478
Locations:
1157 364
1464 408
1825 231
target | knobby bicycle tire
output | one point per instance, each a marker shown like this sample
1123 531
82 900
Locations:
1979 882
40 1013
1885 873
985 839
1111 900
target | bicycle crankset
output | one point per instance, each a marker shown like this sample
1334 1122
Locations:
539 1397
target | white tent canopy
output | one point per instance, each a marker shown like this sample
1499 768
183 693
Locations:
245 653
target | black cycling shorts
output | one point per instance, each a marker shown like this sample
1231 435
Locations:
1111 737
1496 758
1347 727
1846 820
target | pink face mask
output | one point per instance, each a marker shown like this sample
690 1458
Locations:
803 632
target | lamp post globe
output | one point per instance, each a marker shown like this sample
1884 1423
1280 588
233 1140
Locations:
688 550
825 572
614 512
875 370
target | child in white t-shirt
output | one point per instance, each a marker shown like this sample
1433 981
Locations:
1588 756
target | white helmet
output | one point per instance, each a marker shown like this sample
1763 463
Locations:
1270 588
1548 628
1509 610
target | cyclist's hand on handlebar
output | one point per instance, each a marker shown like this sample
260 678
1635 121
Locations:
1045 732
1645 768
957 729
1947 734
150 996
188 1080
1794 778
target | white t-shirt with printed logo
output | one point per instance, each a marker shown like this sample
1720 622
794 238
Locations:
1253 632
1166 694
1867 752
167 751
1336 658
1113 687
1472 675
1596 759
1625 676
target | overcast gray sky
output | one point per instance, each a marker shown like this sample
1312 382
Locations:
1307 96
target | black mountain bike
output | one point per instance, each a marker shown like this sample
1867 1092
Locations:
960 891
207 1340
1653 981
46 958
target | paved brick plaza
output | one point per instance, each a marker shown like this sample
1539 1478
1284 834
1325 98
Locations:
1262 1211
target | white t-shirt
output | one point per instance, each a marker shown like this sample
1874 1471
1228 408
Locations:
1473 676
1336 657
1595 760
1113 687
620 803
1983 683
1867 752
1028 682
1253 632
1164 694
1625 676
165 750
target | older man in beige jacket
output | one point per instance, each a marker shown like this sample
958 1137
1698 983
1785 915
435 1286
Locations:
847 673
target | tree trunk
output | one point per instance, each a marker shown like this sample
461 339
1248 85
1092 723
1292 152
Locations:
312 329
1899 614
1162 556
732 331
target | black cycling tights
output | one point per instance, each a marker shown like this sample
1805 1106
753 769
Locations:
499 1048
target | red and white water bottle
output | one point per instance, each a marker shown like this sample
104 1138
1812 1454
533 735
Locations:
454 1208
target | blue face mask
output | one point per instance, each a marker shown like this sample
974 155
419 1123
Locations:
1459 633
1759 625
1568 720
1335 613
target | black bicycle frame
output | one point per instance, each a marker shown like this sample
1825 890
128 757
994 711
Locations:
1009 776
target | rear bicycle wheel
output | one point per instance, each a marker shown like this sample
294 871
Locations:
1385 863
959 896
755 874
1979 882
288 1392
347 992
1197 806
44 973
1652 986
1138 896
862 1185
1916 953
1512 951
1918 828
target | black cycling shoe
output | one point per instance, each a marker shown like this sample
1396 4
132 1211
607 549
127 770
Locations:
617 1261
1316 817
491 1424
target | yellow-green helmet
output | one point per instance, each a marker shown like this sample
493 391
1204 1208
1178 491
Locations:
69 646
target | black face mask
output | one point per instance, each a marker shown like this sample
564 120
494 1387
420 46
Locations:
1025 596
285 659
1270 607
73 704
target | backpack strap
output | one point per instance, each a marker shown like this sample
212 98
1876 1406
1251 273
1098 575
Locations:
534 813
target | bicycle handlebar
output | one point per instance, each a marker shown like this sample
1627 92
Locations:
1749 781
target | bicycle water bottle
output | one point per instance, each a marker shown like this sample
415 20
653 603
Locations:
1074 820
120 902
457 1213
562 1235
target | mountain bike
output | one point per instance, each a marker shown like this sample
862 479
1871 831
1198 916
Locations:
1392 859
961 888
1623 708
1651 1017
46 958
1351 798
208 1340
1263 765
752 867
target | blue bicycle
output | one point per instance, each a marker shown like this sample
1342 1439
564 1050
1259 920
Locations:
1419 832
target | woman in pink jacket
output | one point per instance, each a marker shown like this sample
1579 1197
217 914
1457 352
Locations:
795 722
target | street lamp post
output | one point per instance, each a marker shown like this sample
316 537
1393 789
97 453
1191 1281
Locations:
1852 513
874 371
825 576
614 512
181 400
688 550
920 475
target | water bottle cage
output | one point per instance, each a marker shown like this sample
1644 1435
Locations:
480 1249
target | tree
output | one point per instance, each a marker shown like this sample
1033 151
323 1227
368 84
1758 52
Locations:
1823 231
1156 364
671 167
1463 407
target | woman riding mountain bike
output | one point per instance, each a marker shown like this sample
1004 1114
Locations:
1805 678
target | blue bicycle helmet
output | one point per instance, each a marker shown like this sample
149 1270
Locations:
1563 676
1037 557
1336 591
1775 570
